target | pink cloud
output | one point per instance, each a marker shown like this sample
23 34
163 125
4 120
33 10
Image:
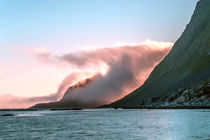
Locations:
119 70
126 68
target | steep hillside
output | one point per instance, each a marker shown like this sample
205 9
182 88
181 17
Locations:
187 64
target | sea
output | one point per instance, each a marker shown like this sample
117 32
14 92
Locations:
106 124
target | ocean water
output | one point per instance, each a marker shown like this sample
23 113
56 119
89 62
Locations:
110 124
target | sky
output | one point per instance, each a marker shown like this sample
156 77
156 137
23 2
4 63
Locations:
32 29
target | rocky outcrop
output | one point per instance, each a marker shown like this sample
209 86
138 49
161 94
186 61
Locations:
8 115
196 96
187 64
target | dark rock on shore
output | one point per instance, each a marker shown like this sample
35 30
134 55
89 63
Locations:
197 96
8 115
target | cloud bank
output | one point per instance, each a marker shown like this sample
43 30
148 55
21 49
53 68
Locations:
127 68
117 72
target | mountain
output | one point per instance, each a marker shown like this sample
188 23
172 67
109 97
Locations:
182 79
68 100
187 64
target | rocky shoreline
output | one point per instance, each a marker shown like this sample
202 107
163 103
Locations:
197 96
194 97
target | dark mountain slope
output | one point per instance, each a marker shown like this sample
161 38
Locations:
187 64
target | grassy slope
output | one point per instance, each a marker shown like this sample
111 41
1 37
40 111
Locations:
186 64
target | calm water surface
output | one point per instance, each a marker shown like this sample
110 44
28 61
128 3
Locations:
106 124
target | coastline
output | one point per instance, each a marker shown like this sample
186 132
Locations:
141 107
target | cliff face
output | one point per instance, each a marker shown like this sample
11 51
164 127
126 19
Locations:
187 64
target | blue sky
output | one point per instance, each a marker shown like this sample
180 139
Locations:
69 25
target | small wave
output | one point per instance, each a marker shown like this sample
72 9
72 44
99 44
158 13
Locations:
28 115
